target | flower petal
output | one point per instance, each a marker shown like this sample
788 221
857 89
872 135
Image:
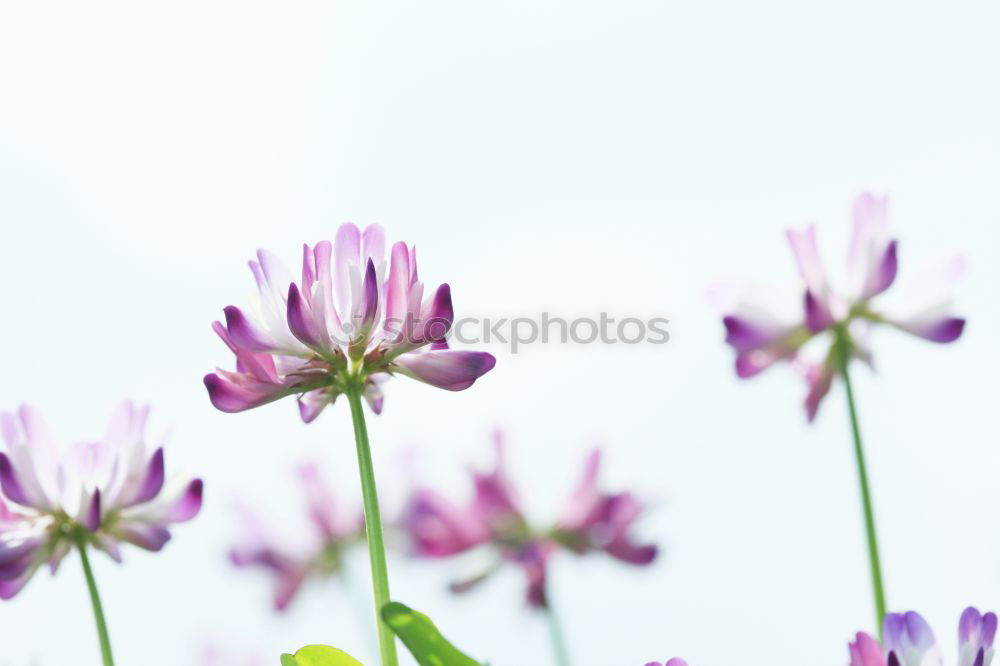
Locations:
447 369
11 484
244 333
865 651
314 402
188 504
227 396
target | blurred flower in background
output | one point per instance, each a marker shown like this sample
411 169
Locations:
592 521
909 641
347 320
321 555
96 493
760 338
670 662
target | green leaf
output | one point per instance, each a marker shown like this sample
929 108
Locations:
319 655
422 638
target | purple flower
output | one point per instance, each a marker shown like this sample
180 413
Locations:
108 491
909 641
760 338
592 521
320 556
670 662
352 317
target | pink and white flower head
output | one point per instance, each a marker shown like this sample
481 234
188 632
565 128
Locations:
909 641
352 319
592 521
104 493
292 563
760 338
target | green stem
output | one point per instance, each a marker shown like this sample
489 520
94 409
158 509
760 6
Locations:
373 528
556 635
95 601
844 354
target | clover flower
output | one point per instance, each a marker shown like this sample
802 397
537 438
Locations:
322 554
352 319
760 338
592 521
96 493
909 641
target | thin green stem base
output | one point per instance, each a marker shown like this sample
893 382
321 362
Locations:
844 355
557 636
95 601
373 527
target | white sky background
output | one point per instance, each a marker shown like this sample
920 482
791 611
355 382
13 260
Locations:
570 157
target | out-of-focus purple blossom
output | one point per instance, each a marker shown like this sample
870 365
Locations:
909 641
670 662
761 338
291 564
106 492
352 319
592 521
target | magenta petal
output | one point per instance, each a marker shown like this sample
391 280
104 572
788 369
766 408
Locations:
820 379
10 484
450 370
756 361
10 588
149 537
883 273
92 518
188 504
818 317
743 335
397 287
228 397
299 320
676 661
369 303
243 333
153 482
866 651
314 402
18 556
944 330
440 316
631 553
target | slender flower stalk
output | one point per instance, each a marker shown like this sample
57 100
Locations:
556 635
373 527
95 601
843 352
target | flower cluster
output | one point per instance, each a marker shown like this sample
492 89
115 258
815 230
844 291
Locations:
350 322
909 641
592 521
760 338
322 556
96 493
